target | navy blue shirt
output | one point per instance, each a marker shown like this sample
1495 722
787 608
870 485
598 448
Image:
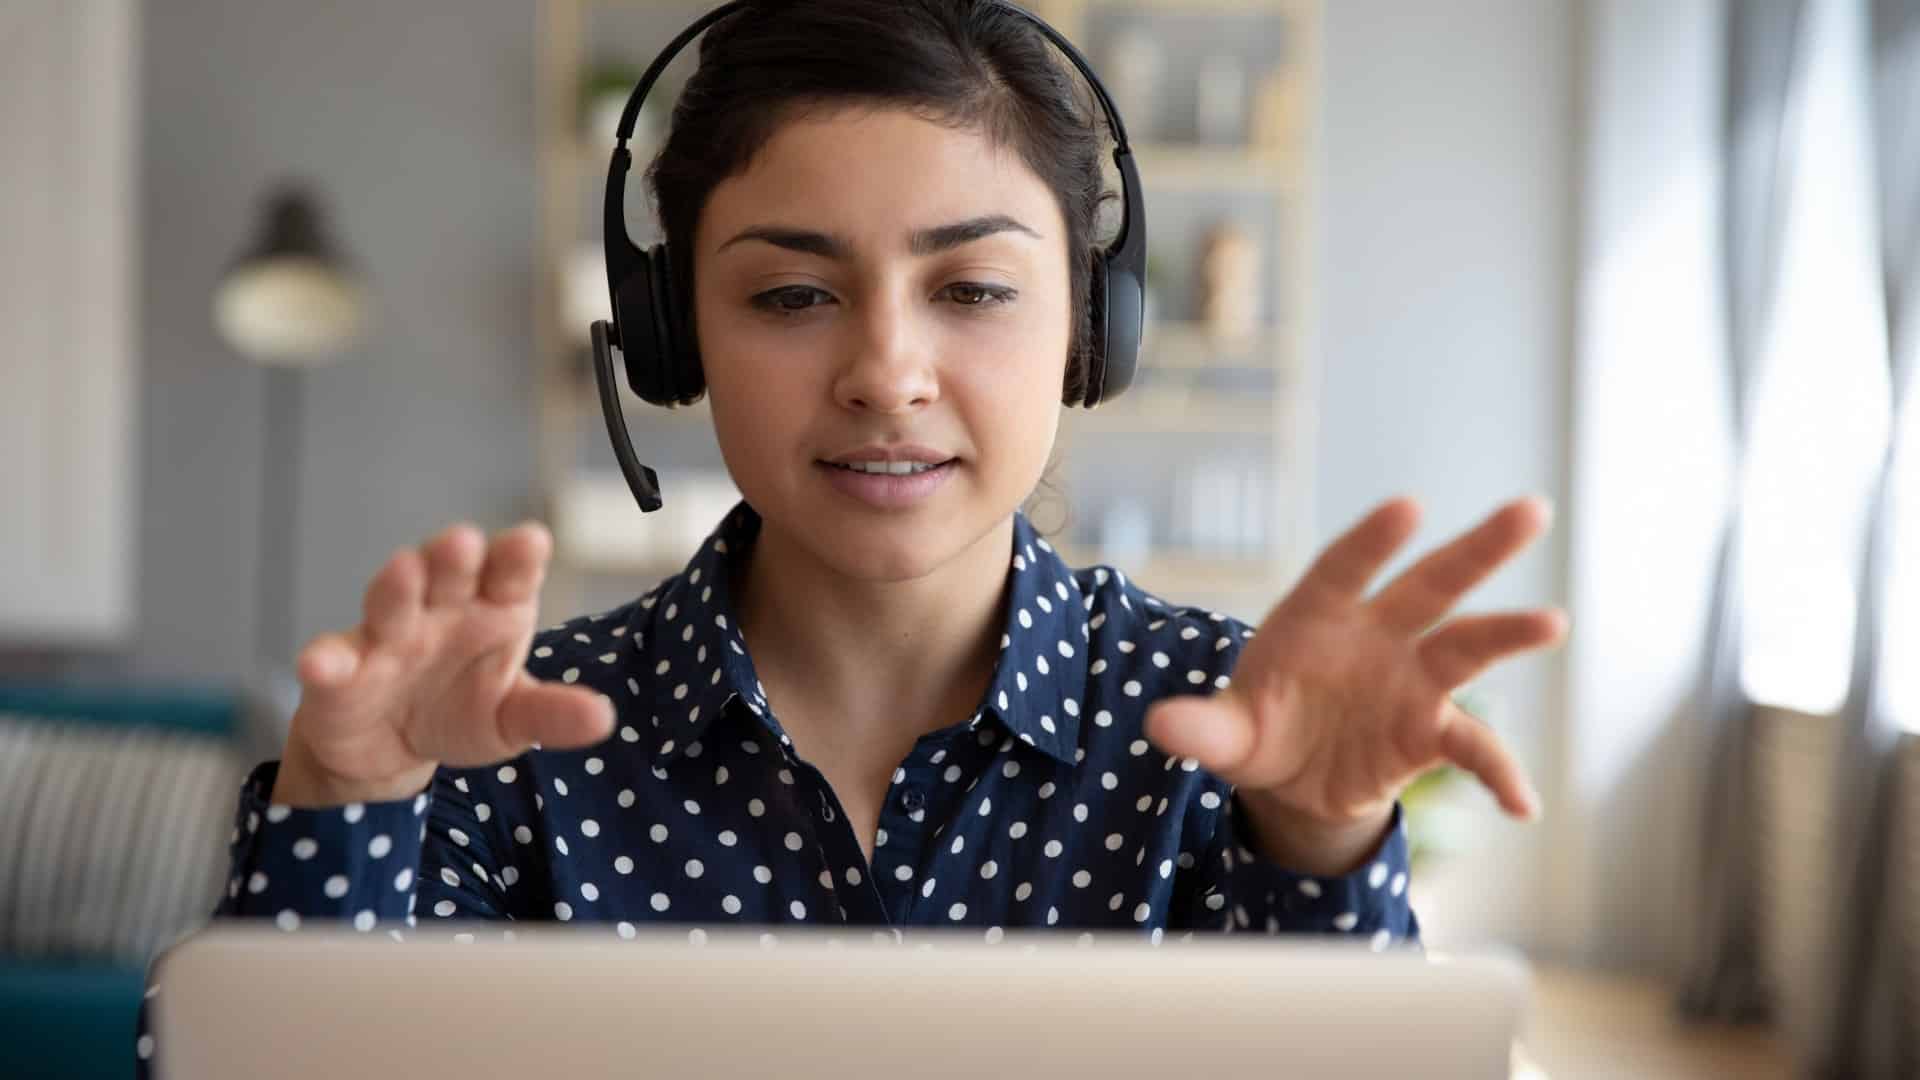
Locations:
1046 807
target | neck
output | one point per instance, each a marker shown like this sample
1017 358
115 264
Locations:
880 654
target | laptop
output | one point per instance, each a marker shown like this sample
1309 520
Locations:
242 999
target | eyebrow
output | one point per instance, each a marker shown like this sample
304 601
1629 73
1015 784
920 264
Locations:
929 241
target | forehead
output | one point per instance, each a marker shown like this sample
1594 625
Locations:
874 175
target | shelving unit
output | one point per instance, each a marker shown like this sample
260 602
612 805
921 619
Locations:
1196 399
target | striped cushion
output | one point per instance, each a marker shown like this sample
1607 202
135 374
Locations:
113 842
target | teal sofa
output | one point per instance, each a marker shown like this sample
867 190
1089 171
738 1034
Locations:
67 1010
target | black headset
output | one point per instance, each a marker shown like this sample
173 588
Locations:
650 326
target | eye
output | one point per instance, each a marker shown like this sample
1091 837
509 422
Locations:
968 294
786 302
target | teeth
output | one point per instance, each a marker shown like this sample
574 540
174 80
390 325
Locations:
885 468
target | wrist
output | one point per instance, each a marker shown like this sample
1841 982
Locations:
1305 844
302 783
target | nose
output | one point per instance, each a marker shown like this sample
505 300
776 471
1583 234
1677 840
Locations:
890 366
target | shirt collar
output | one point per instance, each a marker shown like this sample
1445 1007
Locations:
688 623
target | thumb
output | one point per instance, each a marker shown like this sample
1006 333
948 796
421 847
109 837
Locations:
1216 731
555 715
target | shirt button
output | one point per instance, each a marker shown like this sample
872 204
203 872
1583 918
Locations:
911 800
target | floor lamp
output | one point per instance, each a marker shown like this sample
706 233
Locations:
289 303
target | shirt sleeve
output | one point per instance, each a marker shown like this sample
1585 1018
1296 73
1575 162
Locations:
1235 889
367 864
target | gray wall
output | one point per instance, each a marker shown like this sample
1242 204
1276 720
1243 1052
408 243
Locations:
1447 255
415 121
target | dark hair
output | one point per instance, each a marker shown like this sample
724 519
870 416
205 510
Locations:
965 63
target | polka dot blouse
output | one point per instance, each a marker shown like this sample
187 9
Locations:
1047 807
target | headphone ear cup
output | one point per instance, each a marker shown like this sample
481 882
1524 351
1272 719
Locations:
680 355
636 303
1118 330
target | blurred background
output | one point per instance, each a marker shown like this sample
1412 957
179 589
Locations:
287 285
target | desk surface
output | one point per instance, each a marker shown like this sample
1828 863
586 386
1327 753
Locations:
1587 1024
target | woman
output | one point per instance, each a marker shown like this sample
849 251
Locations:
875 695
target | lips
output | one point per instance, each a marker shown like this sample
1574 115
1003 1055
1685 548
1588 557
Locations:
896 454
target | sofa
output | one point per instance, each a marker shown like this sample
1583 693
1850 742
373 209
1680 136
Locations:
116 805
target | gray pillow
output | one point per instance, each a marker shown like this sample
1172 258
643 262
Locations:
113 841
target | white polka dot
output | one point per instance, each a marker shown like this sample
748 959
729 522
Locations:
989 868
1081 879
1025 890
727 838
625 798
756 808
353 812
304 848
288 920
1138 748
1109 781
1377 875
1103 718
403 880
659 901
590 890
1053 849
853 875
1399 883
1017 830
903 872
144 1047
1310 887
1210 800
457 837
1114 840
563 911
763 875
957 912
444 908
523 834
799 909
448 875
1141 912
730 904
1079 811
589 827
694 868
623 865
1346 920
278 812
658 833
507 774
336 887
364 921
1131 688
793 841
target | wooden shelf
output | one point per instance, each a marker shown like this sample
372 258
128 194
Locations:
1172 409
1175 345
1182 165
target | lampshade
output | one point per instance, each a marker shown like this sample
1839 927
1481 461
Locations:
290 299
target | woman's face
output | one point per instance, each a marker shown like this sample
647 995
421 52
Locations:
877 285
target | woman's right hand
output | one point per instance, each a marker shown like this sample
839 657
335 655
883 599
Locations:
434 674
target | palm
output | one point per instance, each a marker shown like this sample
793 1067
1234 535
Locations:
1338 700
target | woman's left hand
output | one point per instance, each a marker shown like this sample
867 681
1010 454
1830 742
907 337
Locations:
1339 700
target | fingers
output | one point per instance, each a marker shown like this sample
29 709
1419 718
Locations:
1473 746
1458 652
393 598
453 564
1429 589
516 564
555 715
1212 730
1340 574
328 663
